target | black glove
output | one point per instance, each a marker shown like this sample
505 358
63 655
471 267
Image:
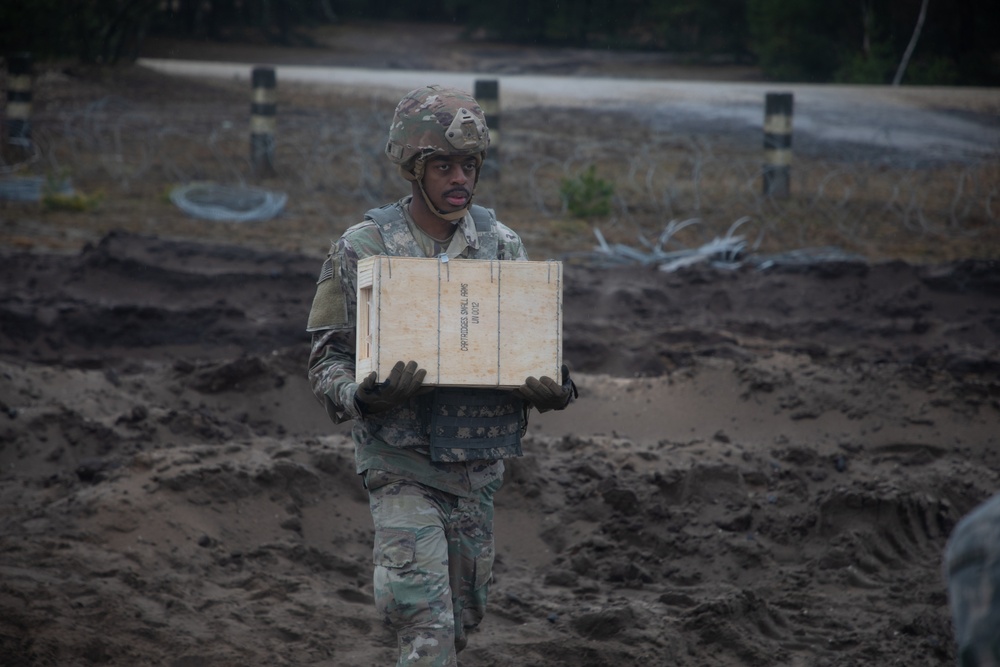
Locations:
546 394
403 383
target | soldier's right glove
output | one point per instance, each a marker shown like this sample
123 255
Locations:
403 383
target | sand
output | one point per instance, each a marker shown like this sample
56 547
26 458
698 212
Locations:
762 467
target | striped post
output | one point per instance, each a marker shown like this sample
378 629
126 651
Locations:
263 113
487 93
777 144
19 66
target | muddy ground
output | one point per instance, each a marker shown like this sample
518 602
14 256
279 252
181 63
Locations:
762 468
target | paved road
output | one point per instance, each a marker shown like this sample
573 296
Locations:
907 124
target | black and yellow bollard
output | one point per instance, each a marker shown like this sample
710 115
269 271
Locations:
18 112
487 93
778 144
263 116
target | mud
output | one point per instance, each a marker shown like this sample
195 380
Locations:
762 468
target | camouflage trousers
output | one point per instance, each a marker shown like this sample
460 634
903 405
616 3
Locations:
433 560
972 569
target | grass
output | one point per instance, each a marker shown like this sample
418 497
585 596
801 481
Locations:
132 134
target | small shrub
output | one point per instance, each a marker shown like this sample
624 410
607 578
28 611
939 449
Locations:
933 71
877 67
586 195
58 195
77 202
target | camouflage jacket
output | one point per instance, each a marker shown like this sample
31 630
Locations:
972 571
390 442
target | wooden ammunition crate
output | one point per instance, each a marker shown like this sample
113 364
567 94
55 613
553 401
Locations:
468 322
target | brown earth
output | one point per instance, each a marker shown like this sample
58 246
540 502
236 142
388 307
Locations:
444 47
762 468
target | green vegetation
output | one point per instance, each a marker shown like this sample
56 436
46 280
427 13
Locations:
58 195
791 40
78 202
586 195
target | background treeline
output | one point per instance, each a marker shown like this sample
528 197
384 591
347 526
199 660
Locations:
859 41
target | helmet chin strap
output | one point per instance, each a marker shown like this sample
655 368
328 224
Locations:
417 176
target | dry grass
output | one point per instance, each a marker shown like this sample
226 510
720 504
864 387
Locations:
133 135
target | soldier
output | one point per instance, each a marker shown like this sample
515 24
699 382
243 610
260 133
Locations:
431 458
972 570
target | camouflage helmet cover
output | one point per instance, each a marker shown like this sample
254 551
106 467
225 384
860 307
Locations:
435 120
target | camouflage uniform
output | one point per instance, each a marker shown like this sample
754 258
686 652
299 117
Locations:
972 569
433 519
431 460
433 563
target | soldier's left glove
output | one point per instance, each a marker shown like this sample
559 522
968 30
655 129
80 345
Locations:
546 394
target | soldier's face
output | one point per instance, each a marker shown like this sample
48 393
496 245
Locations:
449 181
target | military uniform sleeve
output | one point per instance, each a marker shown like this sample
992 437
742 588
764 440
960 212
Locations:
509 244
331 322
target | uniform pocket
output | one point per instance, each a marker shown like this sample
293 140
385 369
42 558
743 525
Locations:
329 307
484 567
394 547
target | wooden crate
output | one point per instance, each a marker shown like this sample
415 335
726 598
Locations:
476 323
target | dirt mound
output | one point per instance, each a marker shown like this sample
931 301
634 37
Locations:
762 468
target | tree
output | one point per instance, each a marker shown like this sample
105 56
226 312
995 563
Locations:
912 45
797 40
794 40
701 27
96 31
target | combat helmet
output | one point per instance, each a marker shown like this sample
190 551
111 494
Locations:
431 121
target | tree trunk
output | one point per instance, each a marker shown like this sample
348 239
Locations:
912 45
867 22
